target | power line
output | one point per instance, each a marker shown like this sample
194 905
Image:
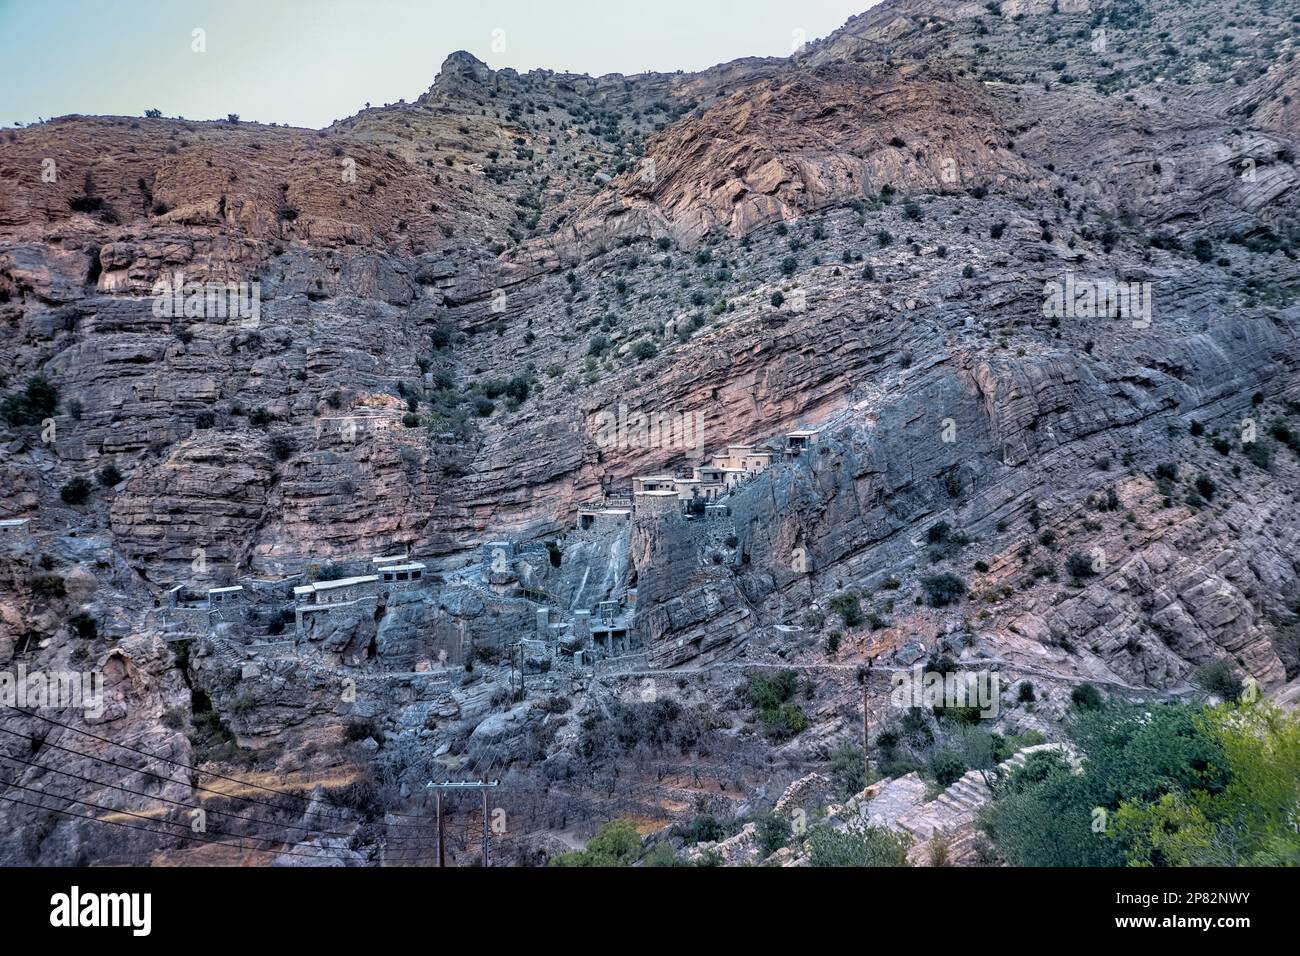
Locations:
188 806
60 796
187 783
178 763
129 826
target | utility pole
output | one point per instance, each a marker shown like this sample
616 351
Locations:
866 721
482 785
520 645
439 798
866 725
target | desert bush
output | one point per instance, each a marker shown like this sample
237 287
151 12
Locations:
76 491
35 403
848 607
943 589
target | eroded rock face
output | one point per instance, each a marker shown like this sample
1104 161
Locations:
790 146
454 293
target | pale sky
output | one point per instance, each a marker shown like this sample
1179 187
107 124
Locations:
310 63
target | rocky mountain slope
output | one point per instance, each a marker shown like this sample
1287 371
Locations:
454 293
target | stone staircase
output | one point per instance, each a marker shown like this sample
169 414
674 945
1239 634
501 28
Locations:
956 807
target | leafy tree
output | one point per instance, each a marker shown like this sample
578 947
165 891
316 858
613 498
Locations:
1046 814
1248 822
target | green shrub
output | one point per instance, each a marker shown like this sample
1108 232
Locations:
774 832
282 447
856 845
1086 697
76 491
1259 453
1218 678
765 690
49 586
616 844
37 402
947 767
706 828
784 722
360 728
943 589
848 608
84 626
848 771
1078 565
662 855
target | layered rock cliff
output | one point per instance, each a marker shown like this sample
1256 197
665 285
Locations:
452 294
